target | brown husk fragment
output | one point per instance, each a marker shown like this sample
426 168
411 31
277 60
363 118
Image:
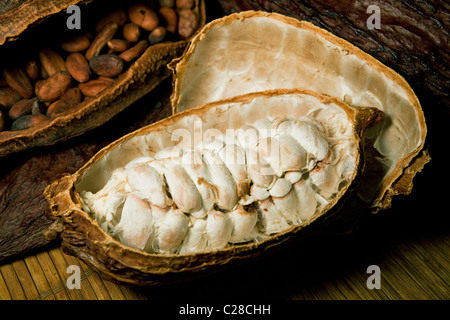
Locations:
141 77
83 237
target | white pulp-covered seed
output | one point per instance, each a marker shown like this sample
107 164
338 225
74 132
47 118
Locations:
135 228
218 229
243 224
234 158
259 170
172 230
196 240
306 199
271 219
285 200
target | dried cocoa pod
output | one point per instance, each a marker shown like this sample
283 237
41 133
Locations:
8 97
143 16
17 78
187 23
51 61
53 87
134 52
137 176
76 44
94 87
21 108
107 65
70 99
29 121
131 32
78 67
102 38
119 17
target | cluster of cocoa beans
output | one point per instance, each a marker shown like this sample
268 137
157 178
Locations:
58 79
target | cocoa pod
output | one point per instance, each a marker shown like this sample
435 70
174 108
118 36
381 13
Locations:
68 101
187 23
131 32
119 17
78 67
51 61
107 65
157 35
106 34
53 87
118 45
170 18
21 108
28 121
144 16
134 52
8 97
76 44
18 79
94 87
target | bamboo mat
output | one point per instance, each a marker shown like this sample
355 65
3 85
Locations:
410 269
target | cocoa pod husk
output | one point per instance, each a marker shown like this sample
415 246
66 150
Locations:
107 65
78 67
53 87
8 97
51 61
21 108
28 121
134 52
76 44
68 101
94 87
17 78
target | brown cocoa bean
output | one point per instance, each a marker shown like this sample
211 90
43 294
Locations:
51 61
2 120
185 4
76 44
94 87
21 108
53 87
38 107
70 99
28 121
134 52
106 34
120 17
187 23
18 79
78 67
131 32
8 97
32 69
170 18
144 16
107 65
119 45
167 3
157 35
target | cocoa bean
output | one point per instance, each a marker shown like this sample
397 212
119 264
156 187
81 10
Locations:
107 65
119 45
32 69
70 99
51 61
2 120
119 17
38 107
21 108
157 35
187 23
94 87
134 52
144 16
76 44
131 32
8 97
53 87
170 18
78 67
106 34
28 121
17 78
185 4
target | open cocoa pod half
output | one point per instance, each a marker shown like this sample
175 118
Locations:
70 66
253 51
213 186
